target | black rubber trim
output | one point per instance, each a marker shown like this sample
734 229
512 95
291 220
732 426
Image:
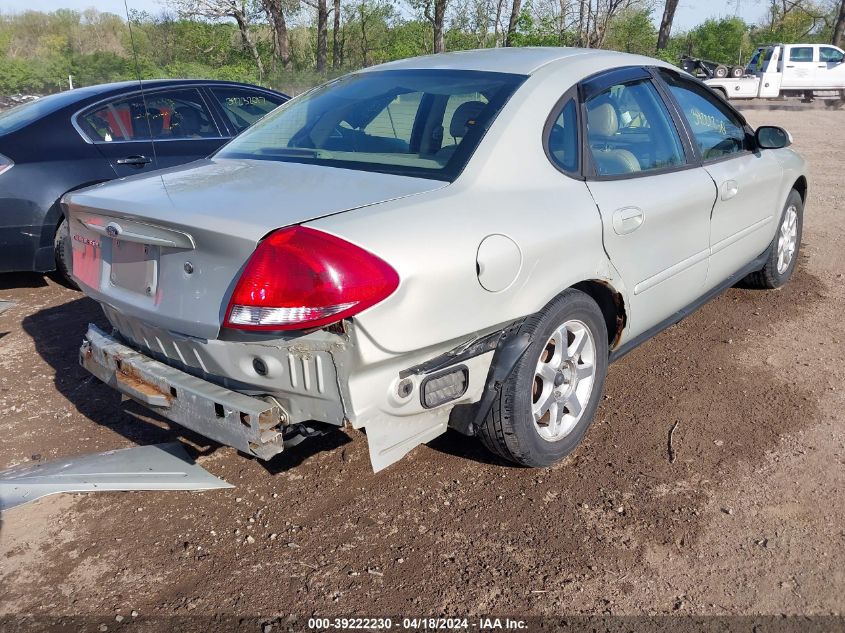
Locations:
463 352
467 418
638 340
569 95
600 81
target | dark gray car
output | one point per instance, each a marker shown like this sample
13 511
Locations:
81 137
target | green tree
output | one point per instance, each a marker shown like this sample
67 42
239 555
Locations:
724 40
632 31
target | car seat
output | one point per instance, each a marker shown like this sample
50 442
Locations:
149 126
602 125
187 122
465 116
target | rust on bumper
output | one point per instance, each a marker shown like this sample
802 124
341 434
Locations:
249 424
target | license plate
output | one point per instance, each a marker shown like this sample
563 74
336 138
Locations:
134 266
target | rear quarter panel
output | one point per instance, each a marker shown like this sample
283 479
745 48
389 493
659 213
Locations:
50 159
509 188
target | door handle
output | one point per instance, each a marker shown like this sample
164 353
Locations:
627 220
135 161
790 66
729 189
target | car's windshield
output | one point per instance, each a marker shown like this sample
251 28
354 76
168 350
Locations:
410 122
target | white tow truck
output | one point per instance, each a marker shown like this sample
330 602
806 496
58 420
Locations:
808 71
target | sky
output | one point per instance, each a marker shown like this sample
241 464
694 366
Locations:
689 13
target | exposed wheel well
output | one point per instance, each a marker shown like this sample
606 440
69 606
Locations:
611 304
801 187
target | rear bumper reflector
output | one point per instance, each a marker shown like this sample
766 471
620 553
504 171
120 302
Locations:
251 425
444 386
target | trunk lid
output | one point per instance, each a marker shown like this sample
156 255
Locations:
168 247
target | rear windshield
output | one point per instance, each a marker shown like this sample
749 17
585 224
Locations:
24 114
424 123
759 60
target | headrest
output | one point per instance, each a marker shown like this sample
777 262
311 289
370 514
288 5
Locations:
187 120
465 117
602 120
150 126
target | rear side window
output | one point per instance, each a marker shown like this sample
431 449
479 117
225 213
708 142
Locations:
630 130
829 54
717 130
563 138
244 107
172 114
801 54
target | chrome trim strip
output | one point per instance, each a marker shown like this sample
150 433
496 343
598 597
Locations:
134 231
147 91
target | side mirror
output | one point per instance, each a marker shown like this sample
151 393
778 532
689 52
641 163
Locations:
772 137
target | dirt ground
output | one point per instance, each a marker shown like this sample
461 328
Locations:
747 520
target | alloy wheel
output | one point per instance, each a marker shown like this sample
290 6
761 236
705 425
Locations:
563 380
787 239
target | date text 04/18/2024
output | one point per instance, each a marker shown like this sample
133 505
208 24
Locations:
418 624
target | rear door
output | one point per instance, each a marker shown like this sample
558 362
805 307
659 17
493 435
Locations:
122 133
799 67
748 181
654 201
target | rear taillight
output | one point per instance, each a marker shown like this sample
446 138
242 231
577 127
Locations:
303 278
5 164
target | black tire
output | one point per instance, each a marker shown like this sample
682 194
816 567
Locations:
768 277
509 429
720 71
63 254
736 72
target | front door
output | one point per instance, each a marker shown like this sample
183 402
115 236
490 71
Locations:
748 182
184 128
655 206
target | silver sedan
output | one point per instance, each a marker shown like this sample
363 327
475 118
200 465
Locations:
458 241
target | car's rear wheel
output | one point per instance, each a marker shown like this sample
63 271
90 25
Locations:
546 405
783 257
64 257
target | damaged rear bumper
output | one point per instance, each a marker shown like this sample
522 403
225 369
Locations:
252 425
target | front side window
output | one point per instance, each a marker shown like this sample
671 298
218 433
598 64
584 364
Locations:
801 54
718 132
563 138
172 114
244 107
630 130
424 123
830 54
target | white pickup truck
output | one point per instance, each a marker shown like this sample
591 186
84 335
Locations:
788 70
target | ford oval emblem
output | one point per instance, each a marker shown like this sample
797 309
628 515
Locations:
113 229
